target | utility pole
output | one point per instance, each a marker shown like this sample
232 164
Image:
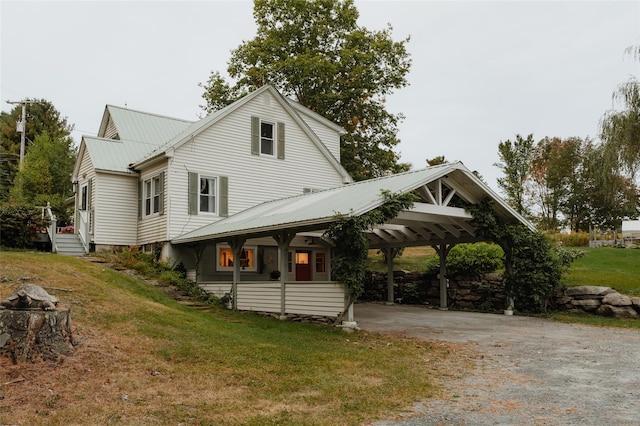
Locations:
21 126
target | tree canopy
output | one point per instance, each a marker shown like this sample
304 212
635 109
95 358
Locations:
620 129
565 182
315 53
42 117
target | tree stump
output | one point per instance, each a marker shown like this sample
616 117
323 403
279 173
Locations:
32 335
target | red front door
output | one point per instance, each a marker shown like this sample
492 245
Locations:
303 265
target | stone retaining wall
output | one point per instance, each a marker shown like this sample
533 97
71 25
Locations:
487 294
483 294
603 301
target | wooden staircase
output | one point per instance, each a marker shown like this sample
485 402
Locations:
69 244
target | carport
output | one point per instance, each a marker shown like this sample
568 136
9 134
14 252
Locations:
434 220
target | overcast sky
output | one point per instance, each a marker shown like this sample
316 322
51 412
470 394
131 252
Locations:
482 71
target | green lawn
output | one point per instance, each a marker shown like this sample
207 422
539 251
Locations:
146 359
609 267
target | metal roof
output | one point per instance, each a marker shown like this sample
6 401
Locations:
113 155
144 127
430 221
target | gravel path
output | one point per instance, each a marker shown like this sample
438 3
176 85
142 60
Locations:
529 371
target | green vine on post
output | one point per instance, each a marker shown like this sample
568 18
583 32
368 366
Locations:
351 248
533 267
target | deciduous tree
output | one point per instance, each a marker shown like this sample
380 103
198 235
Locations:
315 53
515 163
42 117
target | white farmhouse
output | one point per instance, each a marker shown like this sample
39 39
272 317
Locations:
242 198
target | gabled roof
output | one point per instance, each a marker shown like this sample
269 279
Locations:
139 133
141 126
427 223
196 128
112 155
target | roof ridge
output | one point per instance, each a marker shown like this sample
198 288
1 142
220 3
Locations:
149 113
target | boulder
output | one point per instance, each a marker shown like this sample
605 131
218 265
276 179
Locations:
616 299
617 311
635 301
586 303
588 290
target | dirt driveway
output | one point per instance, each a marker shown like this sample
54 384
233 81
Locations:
529 371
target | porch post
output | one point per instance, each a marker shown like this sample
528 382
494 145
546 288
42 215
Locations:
443 250
389 252
283 239
236 245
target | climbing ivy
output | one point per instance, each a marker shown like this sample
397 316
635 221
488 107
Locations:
350 245
533 267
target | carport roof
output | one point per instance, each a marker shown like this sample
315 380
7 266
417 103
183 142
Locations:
431 221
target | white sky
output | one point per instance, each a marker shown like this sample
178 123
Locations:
482 71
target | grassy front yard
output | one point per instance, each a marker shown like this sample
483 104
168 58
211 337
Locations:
147 359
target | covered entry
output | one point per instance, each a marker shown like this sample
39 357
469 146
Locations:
434 220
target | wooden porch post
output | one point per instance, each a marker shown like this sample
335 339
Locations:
389 251
443 251
283 239
236 245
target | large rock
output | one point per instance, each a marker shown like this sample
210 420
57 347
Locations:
635 301
588 290
616 299
617 311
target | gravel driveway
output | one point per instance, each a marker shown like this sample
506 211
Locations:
529 371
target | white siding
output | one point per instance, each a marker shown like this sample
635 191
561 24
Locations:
309 298
328 136
153 228
218 289
111 131
261 297
225 150
315 298
86 172
116 212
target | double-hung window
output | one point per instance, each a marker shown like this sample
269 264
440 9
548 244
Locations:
208 194
266 138
152 195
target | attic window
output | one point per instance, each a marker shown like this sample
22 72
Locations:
266 138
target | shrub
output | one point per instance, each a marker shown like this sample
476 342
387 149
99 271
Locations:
469 260
574 239
19 224
146 264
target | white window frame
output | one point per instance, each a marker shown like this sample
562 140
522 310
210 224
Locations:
213 186
151 195
273 139
253 249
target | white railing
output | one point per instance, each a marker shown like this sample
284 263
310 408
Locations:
83 229
53 225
